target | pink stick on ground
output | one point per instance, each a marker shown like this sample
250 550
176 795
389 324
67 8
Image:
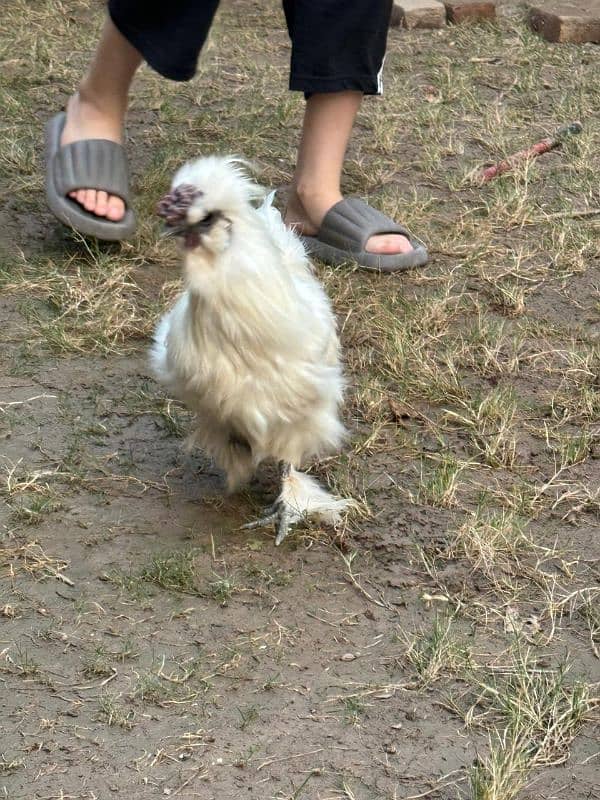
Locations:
544 146
504 166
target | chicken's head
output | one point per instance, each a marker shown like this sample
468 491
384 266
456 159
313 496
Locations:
208 198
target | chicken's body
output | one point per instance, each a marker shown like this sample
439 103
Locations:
251 346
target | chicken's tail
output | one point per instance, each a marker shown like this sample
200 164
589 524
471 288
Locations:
305 498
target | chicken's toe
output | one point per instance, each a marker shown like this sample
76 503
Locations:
285 518
280 513
270 514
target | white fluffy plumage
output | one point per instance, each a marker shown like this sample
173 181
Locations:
251 346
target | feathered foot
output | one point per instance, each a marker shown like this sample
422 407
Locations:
281 514
301 497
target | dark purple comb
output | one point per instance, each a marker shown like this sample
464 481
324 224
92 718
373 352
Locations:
174 205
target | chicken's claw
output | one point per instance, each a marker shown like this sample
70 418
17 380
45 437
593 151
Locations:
281 514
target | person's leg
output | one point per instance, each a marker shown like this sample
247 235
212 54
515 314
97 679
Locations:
337 54
328 122
168 36
97 109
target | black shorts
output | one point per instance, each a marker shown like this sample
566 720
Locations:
336 44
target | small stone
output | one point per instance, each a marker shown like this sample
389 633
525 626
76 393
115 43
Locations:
418 14
469 10
575 22
348 657
389 748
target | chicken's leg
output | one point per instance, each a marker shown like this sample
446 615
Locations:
280 512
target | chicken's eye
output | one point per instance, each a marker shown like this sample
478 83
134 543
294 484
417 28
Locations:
206 223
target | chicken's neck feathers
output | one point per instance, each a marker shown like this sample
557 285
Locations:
254 295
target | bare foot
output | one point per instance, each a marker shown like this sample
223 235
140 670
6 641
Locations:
85 120
306 215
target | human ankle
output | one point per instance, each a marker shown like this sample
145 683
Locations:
316 200
309 190
106 103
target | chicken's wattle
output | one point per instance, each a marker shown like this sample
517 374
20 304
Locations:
191 238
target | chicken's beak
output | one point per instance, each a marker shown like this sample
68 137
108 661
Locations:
191 233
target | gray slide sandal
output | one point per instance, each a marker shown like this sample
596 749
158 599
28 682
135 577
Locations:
86 164
344 233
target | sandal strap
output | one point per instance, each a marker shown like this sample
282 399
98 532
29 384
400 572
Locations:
92 164
349 224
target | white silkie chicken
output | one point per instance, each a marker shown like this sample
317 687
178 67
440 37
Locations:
251 346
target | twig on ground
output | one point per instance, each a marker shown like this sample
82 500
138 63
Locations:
354 581
270 761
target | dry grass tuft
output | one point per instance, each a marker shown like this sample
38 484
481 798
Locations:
30 559
436 653
85 304
540 713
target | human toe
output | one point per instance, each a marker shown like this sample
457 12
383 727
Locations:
89 200
115 208
389 244
101 204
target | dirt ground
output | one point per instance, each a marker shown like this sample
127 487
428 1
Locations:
445 644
